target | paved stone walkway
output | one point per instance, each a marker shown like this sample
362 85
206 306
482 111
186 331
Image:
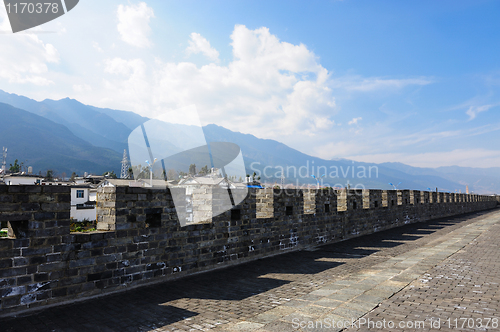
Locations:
446 268
460 293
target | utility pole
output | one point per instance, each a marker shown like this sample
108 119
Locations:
4 162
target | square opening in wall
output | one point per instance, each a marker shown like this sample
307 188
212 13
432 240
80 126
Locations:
235 214
17 229
354 205
289 210
375 203
153 219
327 208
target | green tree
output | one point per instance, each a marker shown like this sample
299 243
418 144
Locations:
16 167
50 175
204 170
110 175
192 169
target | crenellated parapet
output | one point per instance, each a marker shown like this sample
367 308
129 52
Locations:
143 237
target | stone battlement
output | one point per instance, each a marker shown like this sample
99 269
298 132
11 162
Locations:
140 240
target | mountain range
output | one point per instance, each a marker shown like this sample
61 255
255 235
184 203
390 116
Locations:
68 136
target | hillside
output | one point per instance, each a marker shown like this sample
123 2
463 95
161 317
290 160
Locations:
86 122
43 144
265 152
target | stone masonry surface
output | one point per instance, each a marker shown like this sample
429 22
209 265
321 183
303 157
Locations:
140 240
384 271
459 293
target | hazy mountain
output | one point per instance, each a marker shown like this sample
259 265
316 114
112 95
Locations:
44 144
108 128
85 122
480 180
78 115
411 170
129 119
265 152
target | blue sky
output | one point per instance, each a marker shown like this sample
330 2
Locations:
416 82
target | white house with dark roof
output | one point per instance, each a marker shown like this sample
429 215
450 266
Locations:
83 202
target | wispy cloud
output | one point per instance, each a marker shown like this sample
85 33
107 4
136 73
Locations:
97 47
354 121
198 44
473 111
380 142
457 157
357 83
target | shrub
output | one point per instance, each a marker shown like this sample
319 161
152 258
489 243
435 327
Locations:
82 226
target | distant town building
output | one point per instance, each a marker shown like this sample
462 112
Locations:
22 178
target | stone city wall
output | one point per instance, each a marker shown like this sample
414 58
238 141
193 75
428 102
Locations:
140 241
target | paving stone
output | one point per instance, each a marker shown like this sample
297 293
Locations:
348 312
322 292
314 310
243 326
328 303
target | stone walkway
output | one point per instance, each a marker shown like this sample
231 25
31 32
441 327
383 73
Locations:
460 293
416 274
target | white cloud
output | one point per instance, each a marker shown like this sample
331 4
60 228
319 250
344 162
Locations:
271 88
24 57
198 44
473 111
129 83
133 24
354 121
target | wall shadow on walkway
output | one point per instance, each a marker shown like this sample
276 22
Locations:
391 239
